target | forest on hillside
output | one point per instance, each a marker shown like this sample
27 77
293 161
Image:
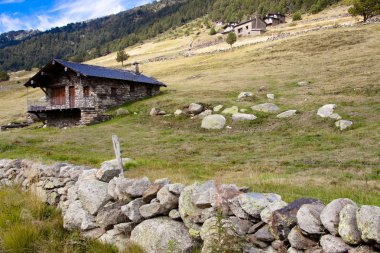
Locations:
87 40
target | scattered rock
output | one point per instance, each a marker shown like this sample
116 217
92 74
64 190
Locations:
231 110
332 244
217 108
122 112
202 115
243 117
156 235
343 124
270 96
287 114
303 83
266 107
284 219
154 112
256 227
299 241
368 220
178 112
362 249
195 108
245 95
132 210
348 228
215 121
254 203
308 219
330 214
327 111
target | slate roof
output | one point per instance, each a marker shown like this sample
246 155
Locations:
108 73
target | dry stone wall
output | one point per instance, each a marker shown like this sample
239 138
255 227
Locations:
162 216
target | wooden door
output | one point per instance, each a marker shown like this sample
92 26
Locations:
58 96
72 96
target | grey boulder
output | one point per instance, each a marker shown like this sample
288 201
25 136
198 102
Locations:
243 117
157 235
332 244
368 220
93 195
308 219
348 228
213 122
132 210
254 203
330 214
299 241
266 107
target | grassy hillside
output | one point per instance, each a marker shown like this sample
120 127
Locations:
27 225
302 156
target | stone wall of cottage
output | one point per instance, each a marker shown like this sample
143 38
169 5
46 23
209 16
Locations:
162 216
103 95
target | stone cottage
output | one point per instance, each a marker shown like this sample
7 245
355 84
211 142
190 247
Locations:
79 94
273 19
254 26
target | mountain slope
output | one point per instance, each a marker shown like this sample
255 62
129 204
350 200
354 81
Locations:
87 40
16 37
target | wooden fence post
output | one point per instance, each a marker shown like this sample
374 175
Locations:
116 147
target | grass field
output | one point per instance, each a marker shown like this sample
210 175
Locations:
302 156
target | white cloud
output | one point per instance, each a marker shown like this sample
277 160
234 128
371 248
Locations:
68 11
8 23
10 1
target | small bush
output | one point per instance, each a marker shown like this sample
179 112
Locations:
297 16
212 31
4 76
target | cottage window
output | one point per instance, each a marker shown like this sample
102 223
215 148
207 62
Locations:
132 88
113 92
86 91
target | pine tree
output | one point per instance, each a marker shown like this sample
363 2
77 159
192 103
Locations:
365 8
231 38
122 56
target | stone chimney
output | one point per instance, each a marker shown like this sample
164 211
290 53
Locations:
137 69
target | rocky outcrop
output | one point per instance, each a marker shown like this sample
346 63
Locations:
166 217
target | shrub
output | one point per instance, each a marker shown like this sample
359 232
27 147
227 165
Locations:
212 31
4 76
297 16
231 38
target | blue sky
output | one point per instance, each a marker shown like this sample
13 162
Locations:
45 14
